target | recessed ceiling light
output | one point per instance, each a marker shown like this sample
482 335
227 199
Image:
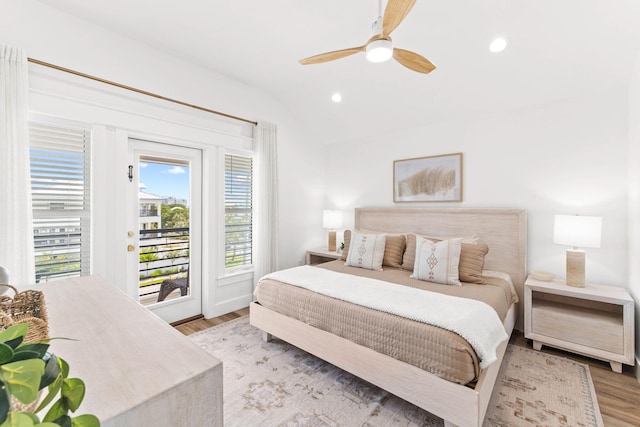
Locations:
336 97
498 44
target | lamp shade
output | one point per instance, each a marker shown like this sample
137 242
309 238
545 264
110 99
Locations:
4 275
331 219
577 231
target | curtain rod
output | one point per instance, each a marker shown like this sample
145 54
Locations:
133 89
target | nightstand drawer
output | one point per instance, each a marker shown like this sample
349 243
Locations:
596 327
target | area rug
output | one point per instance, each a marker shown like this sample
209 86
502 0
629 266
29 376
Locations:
277 384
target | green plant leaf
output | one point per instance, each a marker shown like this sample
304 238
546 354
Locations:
64 421
33 417
47 425
39 348
51 372
23 378
14 343
6 353
48 340
25 355
56 411
86 420
14 335
4 403
73 393
17 419
64 366
54 388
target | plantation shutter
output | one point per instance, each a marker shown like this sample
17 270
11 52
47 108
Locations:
60 187
238 217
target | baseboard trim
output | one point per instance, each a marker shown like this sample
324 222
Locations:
637 367
229 306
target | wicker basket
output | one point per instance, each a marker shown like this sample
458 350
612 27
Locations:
27 306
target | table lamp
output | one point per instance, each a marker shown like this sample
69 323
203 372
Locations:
331 220
4 279
577 231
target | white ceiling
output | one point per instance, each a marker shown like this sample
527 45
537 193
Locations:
558 49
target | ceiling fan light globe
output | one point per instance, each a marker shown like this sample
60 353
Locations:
379 50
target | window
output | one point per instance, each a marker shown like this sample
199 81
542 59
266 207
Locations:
60 183
238 210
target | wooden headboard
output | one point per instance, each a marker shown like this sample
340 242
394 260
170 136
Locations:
503 230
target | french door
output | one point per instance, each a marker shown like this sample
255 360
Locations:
164 261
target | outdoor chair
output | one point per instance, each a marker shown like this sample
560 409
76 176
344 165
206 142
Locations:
169 285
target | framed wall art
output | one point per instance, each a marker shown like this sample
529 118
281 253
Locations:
428 179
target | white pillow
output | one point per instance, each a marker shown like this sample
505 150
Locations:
366 251
437 261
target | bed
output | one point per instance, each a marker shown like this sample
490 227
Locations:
458 400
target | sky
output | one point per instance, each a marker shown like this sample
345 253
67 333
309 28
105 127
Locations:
164 179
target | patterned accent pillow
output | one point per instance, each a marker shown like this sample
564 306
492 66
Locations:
437 262
393 248
409 259
366 251
472 263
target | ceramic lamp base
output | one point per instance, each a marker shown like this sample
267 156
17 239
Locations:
575 268
332 240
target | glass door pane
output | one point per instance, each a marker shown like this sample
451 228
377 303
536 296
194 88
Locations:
164 229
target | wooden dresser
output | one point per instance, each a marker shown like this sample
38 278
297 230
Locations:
139 371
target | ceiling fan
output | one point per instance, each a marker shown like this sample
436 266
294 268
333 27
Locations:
379 47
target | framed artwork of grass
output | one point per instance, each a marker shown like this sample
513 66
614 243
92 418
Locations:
428 179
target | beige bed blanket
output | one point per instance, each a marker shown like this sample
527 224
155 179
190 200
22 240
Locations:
440 352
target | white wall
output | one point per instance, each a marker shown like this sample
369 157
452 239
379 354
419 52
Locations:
58 38
634 198
565 158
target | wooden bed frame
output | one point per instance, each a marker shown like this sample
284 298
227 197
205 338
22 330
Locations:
503 230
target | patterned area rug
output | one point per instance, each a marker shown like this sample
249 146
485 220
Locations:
276 384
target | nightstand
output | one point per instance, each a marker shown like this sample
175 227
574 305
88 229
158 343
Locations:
595 321
318 256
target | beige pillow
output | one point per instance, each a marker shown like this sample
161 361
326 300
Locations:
437 262
472 263
393 249
366 251
408 261
347 241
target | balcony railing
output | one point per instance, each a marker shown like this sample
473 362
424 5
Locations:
164 254
144 212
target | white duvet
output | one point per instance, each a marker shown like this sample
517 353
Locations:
473 320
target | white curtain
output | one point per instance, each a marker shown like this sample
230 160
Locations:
16 235
265 249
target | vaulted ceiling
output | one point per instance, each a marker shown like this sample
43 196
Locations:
557 49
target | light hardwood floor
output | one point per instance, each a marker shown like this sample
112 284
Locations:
618 394
202 324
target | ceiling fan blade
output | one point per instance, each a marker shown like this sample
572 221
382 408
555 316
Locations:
331 56
394 13
413 61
